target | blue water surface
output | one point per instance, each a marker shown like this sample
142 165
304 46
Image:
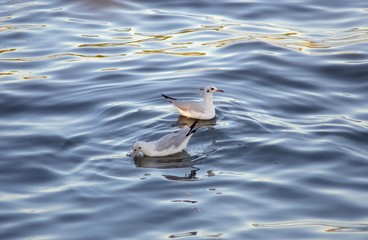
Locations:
285 158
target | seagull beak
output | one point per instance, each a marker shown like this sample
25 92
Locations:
130 154
219 90
135 154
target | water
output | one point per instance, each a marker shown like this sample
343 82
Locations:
285 158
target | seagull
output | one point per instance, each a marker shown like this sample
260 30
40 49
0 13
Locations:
200 110
166 145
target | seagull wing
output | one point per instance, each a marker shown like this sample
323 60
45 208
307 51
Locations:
172 139
185 105
189 106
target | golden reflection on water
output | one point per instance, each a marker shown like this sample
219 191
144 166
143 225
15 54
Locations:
20 76
6 73
203 39
167 51
7 50
24 26
109 69
34 77
60 55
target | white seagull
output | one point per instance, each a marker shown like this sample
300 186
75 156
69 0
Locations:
166 145
201 110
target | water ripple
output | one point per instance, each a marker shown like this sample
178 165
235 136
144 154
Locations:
332 226
81 81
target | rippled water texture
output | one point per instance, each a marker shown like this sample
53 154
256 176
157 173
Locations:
285 158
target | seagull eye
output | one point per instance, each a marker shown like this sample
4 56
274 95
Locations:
140 147
208 90
212 89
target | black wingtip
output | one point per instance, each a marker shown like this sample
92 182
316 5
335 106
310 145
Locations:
192 130
167 97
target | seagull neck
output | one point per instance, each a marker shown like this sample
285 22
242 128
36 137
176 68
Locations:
208 99
146 148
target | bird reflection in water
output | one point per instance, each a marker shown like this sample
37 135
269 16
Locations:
188 177
179 160
184 121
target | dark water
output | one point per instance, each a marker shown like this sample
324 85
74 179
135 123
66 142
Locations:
285 158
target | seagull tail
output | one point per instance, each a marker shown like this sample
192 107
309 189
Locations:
167 97
192 130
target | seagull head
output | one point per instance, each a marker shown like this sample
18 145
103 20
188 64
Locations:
211 89
137 149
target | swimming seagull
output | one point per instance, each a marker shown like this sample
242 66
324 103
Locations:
201 110
168 144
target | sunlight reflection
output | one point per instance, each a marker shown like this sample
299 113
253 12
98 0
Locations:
7 197
39 210
197 69
7 50
34 77
61 55
172 53
194 41
332 226
17 27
